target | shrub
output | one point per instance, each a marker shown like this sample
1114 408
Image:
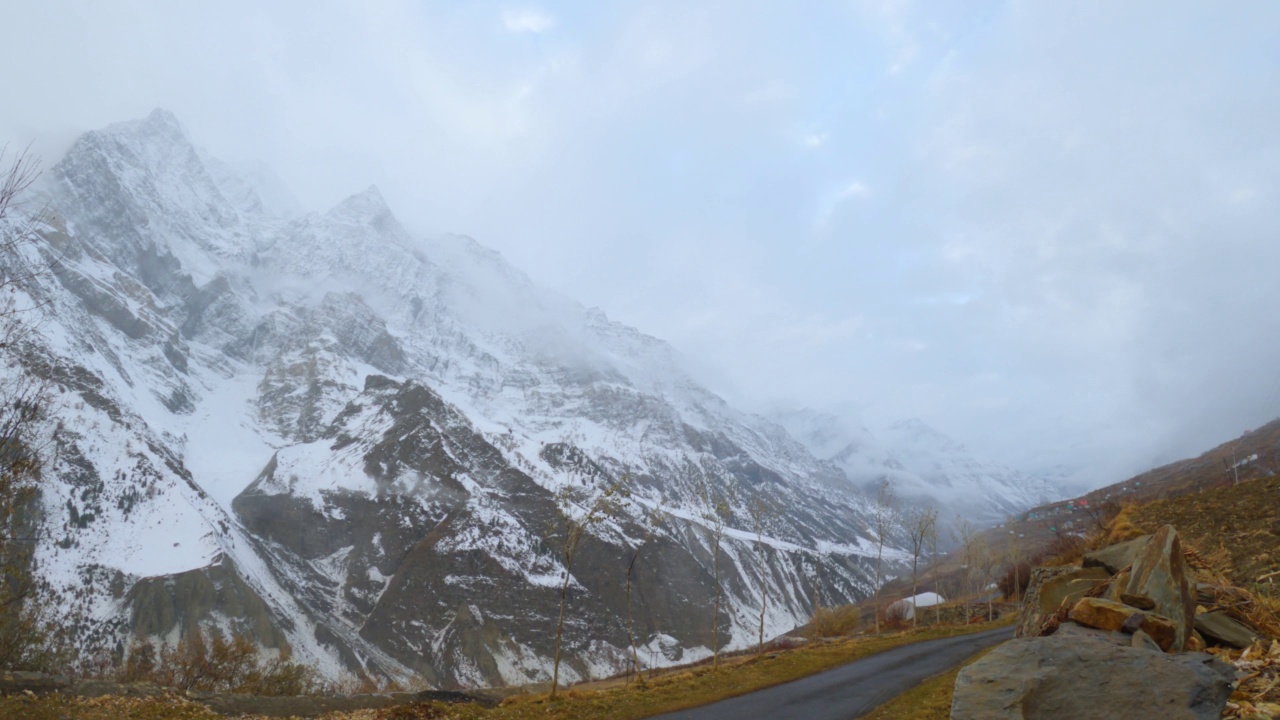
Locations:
217 664
1015 580
835 621
1064 549
1121 527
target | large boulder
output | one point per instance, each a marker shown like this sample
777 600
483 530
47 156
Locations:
1222 629
1118 617
1115 558
1049 589
1160 573
1078 677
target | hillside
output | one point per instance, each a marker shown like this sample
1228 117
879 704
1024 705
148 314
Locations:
1253 455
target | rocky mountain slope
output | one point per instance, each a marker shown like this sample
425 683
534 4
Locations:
338 437
922 464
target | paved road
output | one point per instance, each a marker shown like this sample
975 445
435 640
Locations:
850 690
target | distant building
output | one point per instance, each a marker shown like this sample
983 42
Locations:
905 609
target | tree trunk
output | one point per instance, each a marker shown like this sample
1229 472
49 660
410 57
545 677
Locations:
817 590
915 560
631 635
715 612
875 610
764 597
555 671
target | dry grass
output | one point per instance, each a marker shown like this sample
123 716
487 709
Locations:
930 700
1237 527
1122 527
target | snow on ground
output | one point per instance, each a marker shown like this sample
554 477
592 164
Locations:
226 449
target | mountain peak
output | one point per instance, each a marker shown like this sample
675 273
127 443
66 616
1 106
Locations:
161 118
368 204
160 130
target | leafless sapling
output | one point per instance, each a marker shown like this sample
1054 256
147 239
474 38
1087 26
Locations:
886 520
762 510
581 511
653 520
921 523
715 513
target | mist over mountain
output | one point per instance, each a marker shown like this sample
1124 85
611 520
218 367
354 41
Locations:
922 465
333 435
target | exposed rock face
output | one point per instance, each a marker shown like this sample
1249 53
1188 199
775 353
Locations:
1050 588
1068 588
1160 573
1115 558
1078 677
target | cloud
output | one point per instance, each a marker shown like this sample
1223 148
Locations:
1077 200
815 140
831 200
527 21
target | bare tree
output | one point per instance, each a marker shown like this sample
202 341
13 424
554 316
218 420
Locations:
1013 553
932 539
761 512
653 520
817 589
581 511
716 512
987 560
966 535
17 234
921 523
24 643
886 519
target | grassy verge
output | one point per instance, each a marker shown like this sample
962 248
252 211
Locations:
673 691
930 700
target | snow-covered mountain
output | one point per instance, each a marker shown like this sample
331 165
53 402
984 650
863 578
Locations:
922 464
331 434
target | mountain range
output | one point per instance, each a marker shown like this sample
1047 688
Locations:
334 435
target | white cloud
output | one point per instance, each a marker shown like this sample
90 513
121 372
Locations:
815 140
829 203
527 20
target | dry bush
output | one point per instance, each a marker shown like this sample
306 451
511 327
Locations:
835 621
1260 612
1015 580
1121 527
1212 564
217 664
1062 550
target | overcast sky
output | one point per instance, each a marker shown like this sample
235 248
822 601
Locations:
1050 229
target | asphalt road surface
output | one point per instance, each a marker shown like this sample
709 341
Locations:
851 690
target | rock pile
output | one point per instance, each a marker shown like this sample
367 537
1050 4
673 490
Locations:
1121 636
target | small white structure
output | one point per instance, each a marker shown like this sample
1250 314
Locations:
905 608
